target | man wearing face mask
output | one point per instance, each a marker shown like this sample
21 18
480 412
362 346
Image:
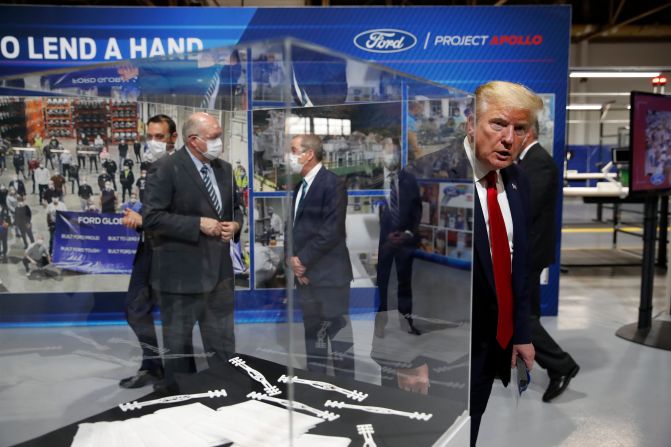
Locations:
140 301
108 199
42 179
400 214
126 178
84 192
319 258
36 255
141 184
190 215
55 206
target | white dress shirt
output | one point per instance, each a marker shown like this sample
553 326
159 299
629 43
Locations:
199 164
309 178
479 174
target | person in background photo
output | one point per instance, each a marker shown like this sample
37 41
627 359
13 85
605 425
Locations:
42 176
36 255
52 210
127 179
23 216
108 199
84 192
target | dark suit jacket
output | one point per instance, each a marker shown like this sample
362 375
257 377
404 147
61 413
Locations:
319 231
184 260
410 209
485 308
540 169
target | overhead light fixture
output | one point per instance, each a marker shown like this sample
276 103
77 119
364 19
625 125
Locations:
583 107
614 74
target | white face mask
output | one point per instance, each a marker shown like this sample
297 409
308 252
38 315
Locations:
214 148
294 165
390 161
155 150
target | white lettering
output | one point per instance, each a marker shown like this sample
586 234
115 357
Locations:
175 45
379 40
50 48
138 49
194 44
156 48
5 43
68 48
87 48
112 50
32 54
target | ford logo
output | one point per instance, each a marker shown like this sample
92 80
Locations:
385 40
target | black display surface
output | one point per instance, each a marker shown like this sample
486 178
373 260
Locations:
390 430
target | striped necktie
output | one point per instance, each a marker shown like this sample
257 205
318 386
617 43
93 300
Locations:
210 189
393 201
304 186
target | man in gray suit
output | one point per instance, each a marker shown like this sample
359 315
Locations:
191 214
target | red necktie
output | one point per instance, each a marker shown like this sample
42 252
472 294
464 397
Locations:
498 239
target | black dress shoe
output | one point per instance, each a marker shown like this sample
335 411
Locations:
142 378
559 384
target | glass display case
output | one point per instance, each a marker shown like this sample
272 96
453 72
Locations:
311 281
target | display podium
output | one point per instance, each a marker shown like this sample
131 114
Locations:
352 298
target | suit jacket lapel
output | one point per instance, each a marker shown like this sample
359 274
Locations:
309 194
515 204
482 242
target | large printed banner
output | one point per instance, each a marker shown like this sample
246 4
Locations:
460 46
94 243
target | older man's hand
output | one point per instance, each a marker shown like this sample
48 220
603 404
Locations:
210 227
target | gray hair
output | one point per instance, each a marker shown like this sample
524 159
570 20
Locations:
193 125
312 142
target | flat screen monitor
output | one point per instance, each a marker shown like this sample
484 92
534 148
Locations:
650 142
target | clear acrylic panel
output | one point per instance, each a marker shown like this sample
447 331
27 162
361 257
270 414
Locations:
340 308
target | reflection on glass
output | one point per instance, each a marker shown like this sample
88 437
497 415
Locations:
360 280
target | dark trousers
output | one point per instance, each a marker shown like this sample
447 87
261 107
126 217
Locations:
213 311
40 190
25 229
81 161
49 160
3 242
43 262
326 321
549 355
52 232
19 170
403 258
138 158
482 380
93 161
124 189
138 309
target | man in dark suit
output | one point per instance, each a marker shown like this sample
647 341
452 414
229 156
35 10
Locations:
190 215
541 171
400 214
319 258
140 301
500 308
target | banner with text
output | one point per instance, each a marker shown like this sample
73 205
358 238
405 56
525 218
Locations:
94 243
